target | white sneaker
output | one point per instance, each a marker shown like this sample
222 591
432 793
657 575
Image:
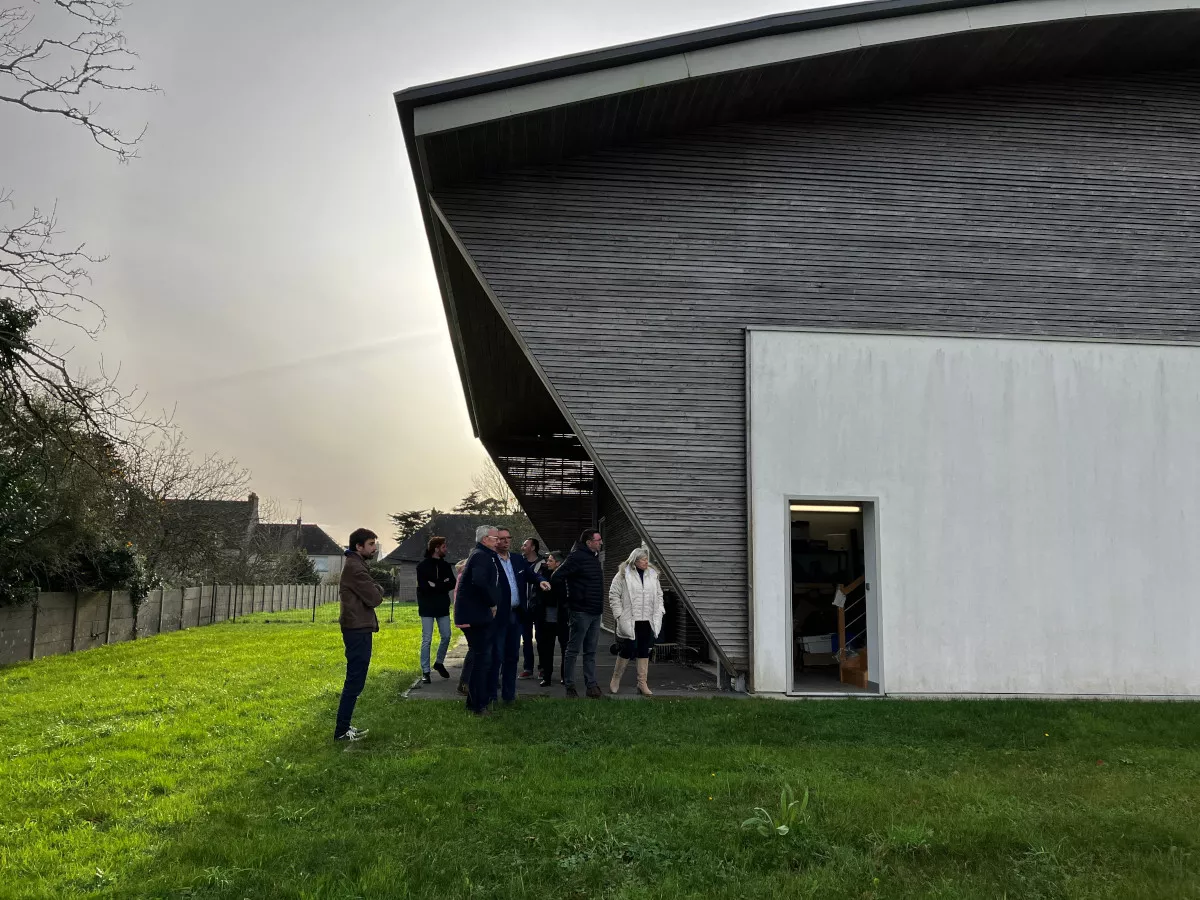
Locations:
361 732
352 734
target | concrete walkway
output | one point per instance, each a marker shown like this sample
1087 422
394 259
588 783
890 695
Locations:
666 679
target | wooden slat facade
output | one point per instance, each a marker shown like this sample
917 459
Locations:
1049 208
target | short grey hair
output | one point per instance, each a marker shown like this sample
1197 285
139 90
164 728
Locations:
482 531
639 553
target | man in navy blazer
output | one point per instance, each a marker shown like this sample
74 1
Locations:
516 576
479 595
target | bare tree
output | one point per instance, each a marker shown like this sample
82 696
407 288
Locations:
167 514
58 58
490 485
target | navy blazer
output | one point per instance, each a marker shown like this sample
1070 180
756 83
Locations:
481 589
526 578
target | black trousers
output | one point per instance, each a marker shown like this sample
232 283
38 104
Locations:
479 654
642 643
547 634
358 659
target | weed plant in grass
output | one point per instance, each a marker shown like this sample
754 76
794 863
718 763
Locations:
200 764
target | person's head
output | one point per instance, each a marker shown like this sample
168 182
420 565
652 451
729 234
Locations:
531 548
591 540
639 559
554 560
364 542
487 535
459 566
436 548
503 541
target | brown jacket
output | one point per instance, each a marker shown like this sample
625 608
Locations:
359 594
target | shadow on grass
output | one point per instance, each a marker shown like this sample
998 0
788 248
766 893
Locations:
595 799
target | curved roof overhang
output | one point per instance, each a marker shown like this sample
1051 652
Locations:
470 127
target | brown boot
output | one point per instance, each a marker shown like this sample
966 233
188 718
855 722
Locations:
643 668
618 670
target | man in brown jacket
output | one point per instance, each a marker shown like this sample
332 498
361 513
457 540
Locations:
359 595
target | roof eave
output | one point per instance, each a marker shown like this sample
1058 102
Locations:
640 51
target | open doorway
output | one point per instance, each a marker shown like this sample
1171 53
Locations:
832 618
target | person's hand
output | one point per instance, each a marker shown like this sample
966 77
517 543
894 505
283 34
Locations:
431 584
545 585
493 612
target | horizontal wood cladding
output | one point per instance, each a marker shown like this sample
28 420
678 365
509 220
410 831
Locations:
1056 209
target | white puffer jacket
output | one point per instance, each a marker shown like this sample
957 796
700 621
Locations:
636 599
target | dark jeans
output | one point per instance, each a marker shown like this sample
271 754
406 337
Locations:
358 660
641 643
547 634
527 641
585 632
479 652
506 654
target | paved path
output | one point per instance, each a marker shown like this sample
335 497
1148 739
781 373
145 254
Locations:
666 679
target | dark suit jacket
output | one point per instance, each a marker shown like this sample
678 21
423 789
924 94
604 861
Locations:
482 588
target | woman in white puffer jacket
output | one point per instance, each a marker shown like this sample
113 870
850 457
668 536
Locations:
636 599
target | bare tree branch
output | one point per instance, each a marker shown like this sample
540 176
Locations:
46 69
490 485
66 76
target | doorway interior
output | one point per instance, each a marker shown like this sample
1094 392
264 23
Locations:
830 556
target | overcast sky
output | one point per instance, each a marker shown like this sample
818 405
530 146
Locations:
267 275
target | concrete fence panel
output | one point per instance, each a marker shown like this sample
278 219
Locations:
204 609
149 614
91 620
16 633
173 608
120 618
219 602
189 614
55 624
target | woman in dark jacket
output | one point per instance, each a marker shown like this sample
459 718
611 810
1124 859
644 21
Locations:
435 581
552 620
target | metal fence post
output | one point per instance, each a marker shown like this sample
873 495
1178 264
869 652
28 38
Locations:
162 601
75 621
108 624
33 627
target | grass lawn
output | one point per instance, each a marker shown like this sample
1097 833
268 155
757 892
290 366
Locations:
200 764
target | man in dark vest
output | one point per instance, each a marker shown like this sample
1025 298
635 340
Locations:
359 595
584 578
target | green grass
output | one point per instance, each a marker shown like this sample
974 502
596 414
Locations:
199 764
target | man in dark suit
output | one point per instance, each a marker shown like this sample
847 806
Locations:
475 603
516 575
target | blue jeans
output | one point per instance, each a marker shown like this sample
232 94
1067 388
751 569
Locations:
506 654
443 624
585 632
358 659
479 642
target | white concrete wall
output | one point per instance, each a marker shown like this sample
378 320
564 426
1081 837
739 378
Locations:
1037 505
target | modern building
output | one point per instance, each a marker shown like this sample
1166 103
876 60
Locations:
901 298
